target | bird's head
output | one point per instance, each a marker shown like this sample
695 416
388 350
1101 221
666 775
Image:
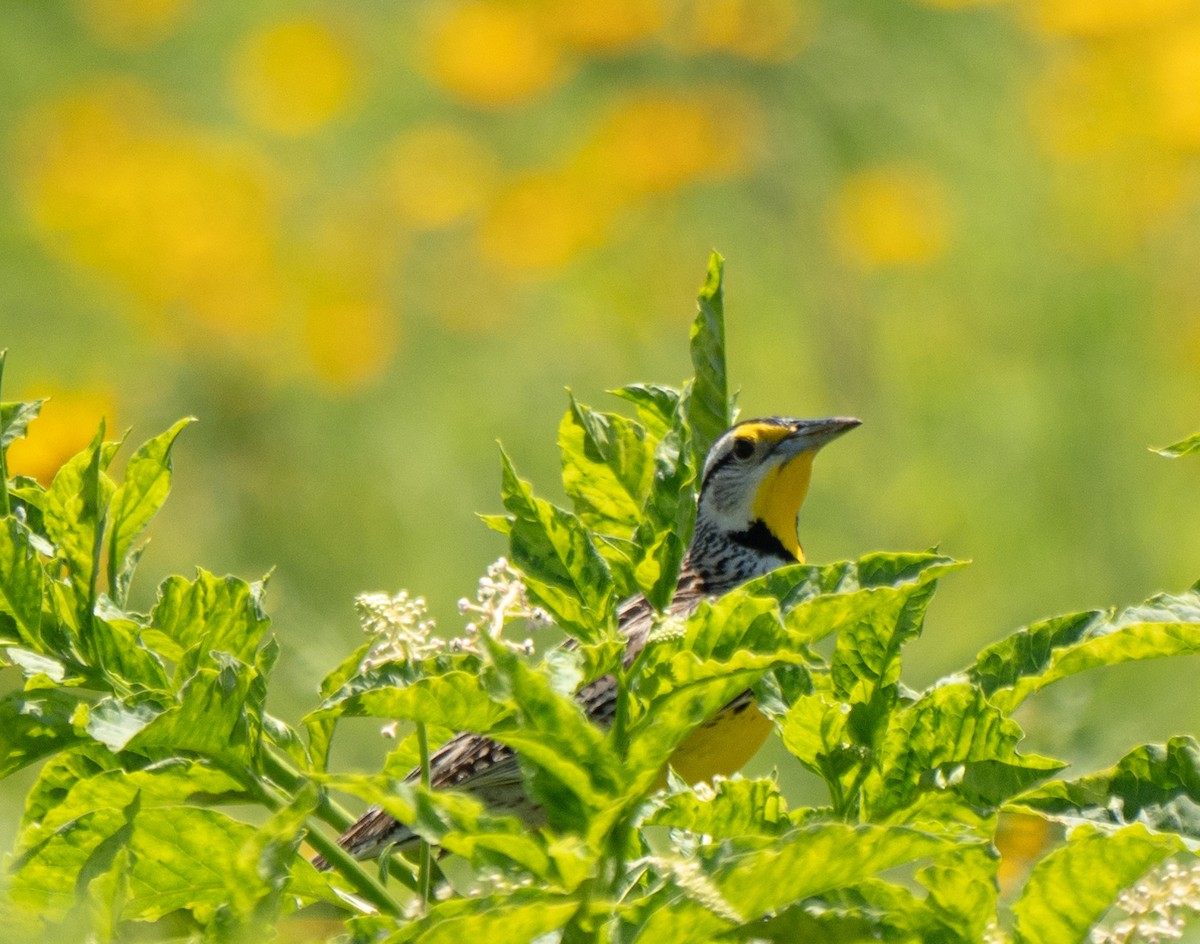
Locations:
755 479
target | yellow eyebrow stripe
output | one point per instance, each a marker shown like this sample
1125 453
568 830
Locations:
763 432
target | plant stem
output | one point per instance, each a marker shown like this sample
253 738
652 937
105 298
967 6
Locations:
282 773
855 794
350 868
424 872
836 796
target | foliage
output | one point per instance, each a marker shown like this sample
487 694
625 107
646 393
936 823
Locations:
168 796
1182 448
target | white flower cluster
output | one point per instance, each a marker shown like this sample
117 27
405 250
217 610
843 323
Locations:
1158 908
499 599
400 625
690 878
403 630
667 627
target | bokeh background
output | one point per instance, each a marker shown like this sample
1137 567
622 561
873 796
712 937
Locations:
361 242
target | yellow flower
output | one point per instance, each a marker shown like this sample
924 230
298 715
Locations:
182 222
1103 17
760 30
890 216
347 332
543 221
350 340
131 24
294 76
604 27
492 53
437 174
67 423
1176 76
653 143
1089 101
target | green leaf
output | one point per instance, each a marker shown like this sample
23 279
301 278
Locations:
816 858
668 515
815 924
75 507
729 808
60 774
607 468
687 674
697 910
814 732
697 690
119 652
962 885
769 876
177 855
708 407
1072 888
797 583
563 571
102 886
872 618
320 730
181 854
34 724
657 406
867 654
573 773
114 721
739 621
22 575
455 700
43 883
516 917
460 824
1157 785
135 503
208 716
1031 658
15 419
1182 448
953 738
89 780
896 914
268 866
195 618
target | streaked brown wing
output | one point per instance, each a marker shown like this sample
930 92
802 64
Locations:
482 766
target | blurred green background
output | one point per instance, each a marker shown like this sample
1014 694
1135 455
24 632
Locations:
363 241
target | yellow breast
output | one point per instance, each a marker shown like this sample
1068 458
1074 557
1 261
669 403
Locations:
722 745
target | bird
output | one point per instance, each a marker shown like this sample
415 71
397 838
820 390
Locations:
754 479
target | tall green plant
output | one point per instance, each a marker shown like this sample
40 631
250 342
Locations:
155 746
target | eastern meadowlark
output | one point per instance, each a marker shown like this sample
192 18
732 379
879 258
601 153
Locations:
754 480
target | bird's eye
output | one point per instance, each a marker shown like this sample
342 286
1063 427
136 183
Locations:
743 448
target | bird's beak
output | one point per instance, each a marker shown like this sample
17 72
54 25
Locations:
811 435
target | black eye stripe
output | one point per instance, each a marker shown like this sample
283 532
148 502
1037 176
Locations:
743 448
718 465
725 460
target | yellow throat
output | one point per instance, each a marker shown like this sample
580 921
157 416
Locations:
779 498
